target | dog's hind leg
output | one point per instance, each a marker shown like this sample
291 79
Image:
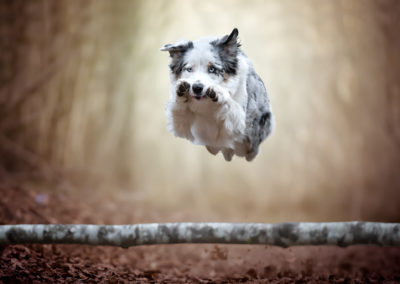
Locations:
228 154
212 150
251 155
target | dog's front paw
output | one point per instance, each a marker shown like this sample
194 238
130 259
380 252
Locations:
212 94
217 94
182 89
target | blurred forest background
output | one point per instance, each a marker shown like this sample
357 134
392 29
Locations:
83 87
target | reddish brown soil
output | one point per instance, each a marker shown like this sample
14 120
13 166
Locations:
174 263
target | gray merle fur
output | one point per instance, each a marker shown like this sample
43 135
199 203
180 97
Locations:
258 115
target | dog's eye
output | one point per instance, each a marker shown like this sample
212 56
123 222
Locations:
211 69
189 69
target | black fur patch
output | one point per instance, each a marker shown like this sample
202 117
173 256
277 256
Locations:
228 48
266 116
177 65
177 52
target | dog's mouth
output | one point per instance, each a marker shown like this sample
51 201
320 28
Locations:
198 96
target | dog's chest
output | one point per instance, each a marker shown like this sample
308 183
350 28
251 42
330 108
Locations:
204 129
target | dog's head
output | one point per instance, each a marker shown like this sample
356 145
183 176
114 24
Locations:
204 62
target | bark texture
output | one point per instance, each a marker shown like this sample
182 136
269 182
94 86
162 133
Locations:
284 234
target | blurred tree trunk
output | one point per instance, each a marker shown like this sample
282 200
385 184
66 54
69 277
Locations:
62 87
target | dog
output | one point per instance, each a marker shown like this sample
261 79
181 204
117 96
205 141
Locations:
216 98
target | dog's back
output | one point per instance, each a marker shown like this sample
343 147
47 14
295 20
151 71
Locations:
259 119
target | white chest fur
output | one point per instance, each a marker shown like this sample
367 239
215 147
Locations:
207 127
204 130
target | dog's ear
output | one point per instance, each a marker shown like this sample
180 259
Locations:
231 39
177 48
177 52
228 47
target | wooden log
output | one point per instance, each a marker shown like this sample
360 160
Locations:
283 234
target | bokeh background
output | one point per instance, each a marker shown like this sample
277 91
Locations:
83 87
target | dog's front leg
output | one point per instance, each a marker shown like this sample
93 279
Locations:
230 111
179 116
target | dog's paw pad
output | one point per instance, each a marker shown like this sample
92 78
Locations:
182 89
212 94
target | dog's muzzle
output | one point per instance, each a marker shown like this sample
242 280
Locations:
197 89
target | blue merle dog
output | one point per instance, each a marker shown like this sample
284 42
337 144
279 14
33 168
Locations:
217 99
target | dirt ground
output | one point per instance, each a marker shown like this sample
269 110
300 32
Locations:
168 263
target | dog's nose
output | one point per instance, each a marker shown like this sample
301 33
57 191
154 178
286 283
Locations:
197 88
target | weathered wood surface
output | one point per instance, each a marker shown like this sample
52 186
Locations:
283 234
